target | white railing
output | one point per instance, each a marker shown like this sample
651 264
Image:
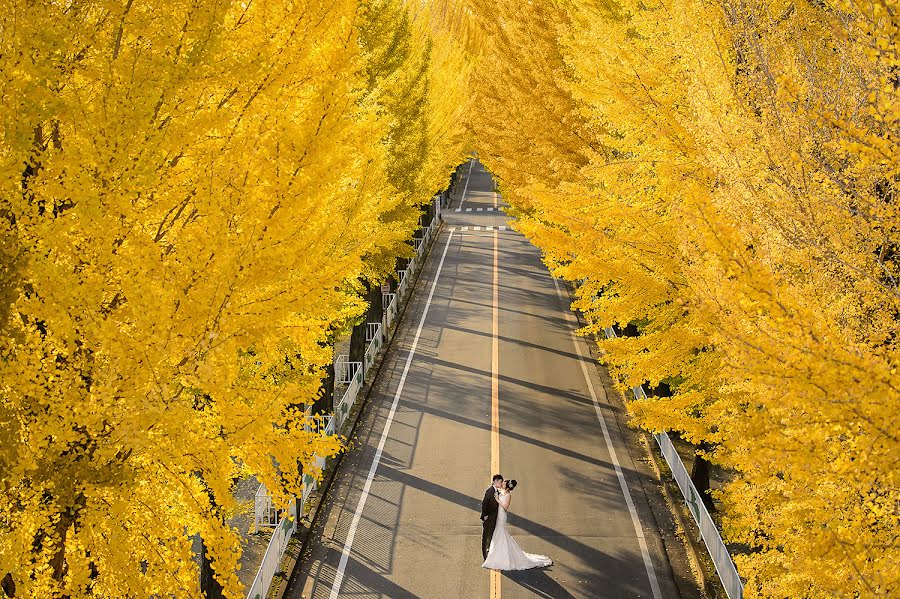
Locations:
342 409
310 484
272 559
725 567
264 511
372 349
722 561
386 299
390 310
417 243
401 287
345 370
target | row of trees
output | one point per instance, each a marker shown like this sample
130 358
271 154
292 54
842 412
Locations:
721 178
192 201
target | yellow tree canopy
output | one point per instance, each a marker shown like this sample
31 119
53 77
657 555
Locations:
724 177
188 196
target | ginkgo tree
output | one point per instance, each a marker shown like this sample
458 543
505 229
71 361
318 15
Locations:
722 177
187 197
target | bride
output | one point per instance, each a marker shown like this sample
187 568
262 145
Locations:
505 553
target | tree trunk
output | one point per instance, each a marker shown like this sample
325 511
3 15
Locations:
376 304
401 263
358 342
209 586
700 476
324 403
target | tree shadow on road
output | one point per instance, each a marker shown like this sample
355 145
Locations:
539 583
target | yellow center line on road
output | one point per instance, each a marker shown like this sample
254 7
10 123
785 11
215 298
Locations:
495 367
495 387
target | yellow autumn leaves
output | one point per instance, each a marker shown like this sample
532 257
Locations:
724 177
189 194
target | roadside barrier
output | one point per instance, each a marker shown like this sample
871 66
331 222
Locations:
354 375
722 561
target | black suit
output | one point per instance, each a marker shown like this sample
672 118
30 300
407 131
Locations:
489 507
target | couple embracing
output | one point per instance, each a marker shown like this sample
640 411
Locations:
501 552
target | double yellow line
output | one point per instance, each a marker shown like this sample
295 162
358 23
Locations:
495 387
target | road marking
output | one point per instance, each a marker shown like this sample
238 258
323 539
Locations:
494 194
458 210
502 227
495 584
645 552
495 390
495 363
476 228
468 210
466 188
479 209
348 544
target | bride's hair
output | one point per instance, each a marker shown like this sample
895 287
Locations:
511 484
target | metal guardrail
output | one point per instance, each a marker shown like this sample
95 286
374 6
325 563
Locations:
345 372
342 409
272 558
725 567
722 561
372 350
390 310
264 511
310 483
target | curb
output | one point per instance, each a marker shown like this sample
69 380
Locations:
689 531
289 564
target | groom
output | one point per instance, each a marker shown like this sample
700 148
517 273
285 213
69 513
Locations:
489 507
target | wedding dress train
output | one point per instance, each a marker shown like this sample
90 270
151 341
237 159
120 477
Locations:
505 553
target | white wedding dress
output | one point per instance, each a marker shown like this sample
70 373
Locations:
505 553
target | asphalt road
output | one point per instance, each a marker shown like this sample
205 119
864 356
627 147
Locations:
491 379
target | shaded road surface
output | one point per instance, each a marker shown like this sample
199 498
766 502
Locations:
495 380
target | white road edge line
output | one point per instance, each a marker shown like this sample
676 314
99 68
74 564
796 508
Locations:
645 552
357 516
466 188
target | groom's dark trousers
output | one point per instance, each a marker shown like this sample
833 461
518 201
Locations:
489 507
